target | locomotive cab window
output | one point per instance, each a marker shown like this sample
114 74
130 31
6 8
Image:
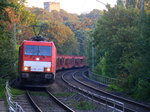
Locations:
38 50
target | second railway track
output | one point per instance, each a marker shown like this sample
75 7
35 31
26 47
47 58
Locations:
100 95
94 86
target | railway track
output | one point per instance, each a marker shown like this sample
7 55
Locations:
95 87
78 97
75 80
109 104
63 105
43 102
34 105
102 96
41 108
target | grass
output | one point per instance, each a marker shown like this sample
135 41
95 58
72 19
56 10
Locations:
2 92
64 94
114 88
12 90
16 91
82 105
39 94
2 88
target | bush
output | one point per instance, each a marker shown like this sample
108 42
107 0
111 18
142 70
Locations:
8 56
115 88
2 88
82 105
142 90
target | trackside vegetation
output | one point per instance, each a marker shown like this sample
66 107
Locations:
2 89
64 94
122 47
11 12
16 91
83 105
39 94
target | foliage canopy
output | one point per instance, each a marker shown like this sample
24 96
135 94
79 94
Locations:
122 43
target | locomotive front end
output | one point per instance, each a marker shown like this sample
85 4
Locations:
37 63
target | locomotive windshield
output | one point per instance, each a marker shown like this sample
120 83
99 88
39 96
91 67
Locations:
38 50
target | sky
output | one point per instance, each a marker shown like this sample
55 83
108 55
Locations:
74 6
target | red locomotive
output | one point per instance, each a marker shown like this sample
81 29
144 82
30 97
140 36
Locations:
37 62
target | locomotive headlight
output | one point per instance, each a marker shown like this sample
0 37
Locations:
26 68
37 59
48 69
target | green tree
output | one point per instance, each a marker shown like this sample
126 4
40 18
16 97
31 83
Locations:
8 56
136 3
114 36
7 49
12 12
122 49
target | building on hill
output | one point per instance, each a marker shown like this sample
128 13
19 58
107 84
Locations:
50 6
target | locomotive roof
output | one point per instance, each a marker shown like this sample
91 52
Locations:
37 43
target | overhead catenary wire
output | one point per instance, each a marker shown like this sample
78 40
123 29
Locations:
101 2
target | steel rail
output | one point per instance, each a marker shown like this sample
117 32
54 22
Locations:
95 96
64 106
127 100
34 105
112 95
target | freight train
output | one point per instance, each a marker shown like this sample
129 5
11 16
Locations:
39 61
